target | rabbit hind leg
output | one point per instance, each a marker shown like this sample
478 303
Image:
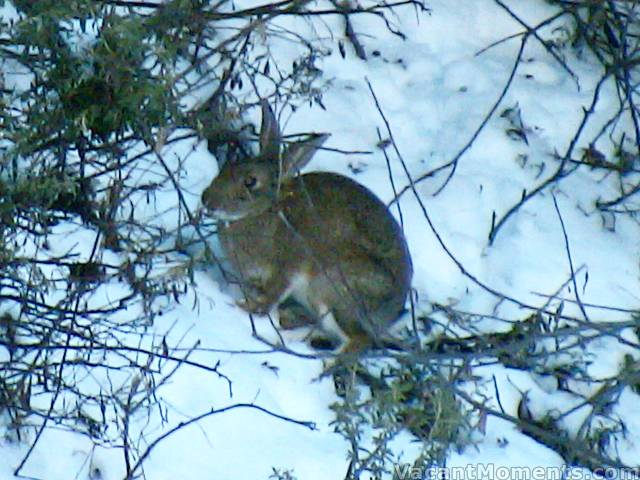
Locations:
360 294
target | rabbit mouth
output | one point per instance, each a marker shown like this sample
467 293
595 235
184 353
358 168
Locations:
224 216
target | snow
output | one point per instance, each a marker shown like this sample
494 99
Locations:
434 89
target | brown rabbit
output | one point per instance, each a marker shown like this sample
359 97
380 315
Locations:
317 245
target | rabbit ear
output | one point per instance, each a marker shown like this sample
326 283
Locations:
300 153
269 132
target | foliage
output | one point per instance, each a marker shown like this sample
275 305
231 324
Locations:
403 397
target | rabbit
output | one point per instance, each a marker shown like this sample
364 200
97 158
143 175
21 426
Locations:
319 246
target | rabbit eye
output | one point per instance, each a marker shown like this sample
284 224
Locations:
250 182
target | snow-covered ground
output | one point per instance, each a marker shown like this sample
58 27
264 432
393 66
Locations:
435 90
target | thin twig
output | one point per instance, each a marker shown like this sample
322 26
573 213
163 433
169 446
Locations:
569 258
